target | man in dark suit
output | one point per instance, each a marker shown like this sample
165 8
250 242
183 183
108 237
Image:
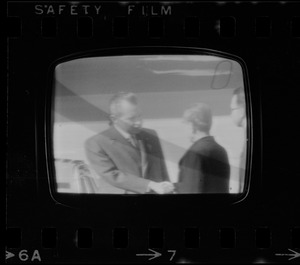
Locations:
129 158
204 168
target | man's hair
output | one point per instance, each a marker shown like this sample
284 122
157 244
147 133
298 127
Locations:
239 92
119 97
200 116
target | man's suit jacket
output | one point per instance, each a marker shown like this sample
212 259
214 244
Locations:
204 168
124 167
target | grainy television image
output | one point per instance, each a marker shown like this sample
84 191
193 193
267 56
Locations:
149 124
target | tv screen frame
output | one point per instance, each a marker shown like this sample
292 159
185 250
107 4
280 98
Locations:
93 200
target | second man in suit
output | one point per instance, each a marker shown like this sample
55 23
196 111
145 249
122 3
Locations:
204 168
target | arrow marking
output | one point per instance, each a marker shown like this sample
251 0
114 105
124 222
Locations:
153 255
293 256
9 255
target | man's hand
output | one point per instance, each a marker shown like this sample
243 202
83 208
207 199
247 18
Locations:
161 187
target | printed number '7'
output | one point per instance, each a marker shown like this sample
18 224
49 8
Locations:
173 253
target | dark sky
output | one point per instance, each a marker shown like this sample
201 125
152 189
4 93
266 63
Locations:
165 85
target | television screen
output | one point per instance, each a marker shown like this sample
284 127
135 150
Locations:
150 124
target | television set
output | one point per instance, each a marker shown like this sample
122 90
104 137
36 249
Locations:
167 82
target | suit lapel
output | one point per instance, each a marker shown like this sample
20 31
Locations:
144 159
114 135
146 150
144 138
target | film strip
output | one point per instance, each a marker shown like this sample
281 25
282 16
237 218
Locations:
155 25
262 227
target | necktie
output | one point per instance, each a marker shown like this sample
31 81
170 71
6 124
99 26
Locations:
140 146
133 141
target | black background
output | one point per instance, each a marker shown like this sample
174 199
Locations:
273 62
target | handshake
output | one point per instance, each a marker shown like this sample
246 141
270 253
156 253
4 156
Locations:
164 187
